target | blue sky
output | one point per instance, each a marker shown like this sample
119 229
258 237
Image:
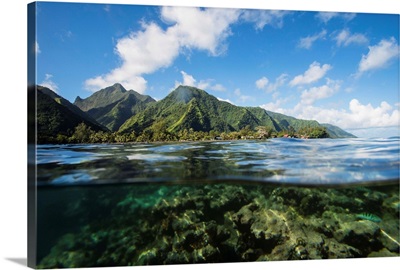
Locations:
339 68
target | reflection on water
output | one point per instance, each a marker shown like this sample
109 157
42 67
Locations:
278 160
196 202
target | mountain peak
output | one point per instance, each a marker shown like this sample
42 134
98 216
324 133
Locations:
115 87
184 93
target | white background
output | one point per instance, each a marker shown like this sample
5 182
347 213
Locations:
13 74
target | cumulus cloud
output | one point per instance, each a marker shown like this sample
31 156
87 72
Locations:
49 83
188 28
275 106
379 55
313 74
208 35
325 17
141 53
152 48
345 38
307 42
264 84
367 115
189 80
357 115
313 94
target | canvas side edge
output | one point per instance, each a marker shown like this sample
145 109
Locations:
32 138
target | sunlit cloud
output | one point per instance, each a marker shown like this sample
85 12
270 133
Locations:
312 74
378 56
313 94
140 52
357 115
153 47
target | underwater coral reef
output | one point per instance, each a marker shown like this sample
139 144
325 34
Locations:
222 222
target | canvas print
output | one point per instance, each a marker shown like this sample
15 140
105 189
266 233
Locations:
162 135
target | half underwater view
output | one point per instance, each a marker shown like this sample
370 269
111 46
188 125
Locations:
218 201
166 135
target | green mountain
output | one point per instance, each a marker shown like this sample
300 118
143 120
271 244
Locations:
56 115
113 105
336 132
191 108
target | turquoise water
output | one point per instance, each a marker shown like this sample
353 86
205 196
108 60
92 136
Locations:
218 201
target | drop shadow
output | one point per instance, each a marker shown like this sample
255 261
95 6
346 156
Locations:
20 261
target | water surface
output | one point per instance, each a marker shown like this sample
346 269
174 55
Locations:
294 161
218 201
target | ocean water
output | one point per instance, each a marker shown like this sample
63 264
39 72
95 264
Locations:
218 201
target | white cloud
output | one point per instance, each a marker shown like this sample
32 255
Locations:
262 83
263 17
152 48
189 80
313 74
357 115
309 96
325 17
345 38
49 83
275 106
368 116
379 55
141 53
308 41
204 29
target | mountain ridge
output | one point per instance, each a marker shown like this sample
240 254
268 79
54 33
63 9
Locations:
189 107
56 116
129 116
113 105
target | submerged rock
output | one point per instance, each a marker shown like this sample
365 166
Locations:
383 253
362 235
232 223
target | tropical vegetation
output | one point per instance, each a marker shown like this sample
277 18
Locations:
115 115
